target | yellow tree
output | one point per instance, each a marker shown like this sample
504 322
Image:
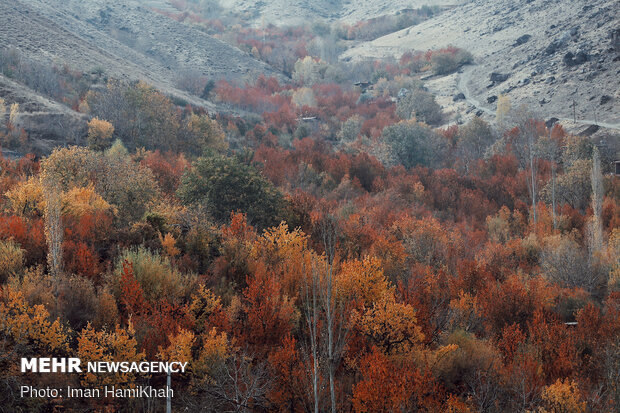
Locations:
563 396
100 134
391 326
117 345
362 281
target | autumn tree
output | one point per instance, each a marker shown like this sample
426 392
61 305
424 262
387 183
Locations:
201 133
99 134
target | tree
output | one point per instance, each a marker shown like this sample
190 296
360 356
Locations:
563 396
308 71
420 104
75 166
410 143
99 134
224 185
524 140
473 140
114 345
203 134
304 96
595 224
564 261
391 326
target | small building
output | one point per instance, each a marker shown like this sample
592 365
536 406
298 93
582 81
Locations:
617 168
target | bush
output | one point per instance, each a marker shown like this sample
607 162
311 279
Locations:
11 259
446 61
155 275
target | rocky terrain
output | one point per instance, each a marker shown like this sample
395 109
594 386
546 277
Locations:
47 122
545 54
287 12
560 58
124 39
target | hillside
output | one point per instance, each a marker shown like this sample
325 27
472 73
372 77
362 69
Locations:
47 122
545 55
124 37
283 12
124 40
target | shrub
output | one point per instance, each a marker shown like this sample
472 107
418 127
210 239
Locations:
155 275
11 259
446 61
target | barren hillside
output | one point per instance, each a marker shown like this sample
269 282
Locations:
284 12
545 54
123 37
47 122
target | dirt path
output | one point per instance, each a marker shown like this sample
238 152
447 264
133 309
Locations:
462 87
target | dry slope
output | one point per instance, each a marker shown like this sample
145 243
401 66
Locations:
544 53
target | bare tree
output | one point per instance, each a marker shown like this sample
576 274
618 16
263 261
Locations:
525 147
54 231
240 386
595 226
333 308
310 293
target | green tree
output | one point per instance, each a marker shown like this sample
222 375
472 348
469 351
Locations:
421 104
223 184
410 143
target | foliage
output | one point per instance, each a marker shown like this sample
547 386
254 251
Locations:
410 143
99 134
420 105
226 185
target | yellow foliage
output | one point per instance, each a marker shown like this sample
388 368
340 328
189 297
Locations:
118 345
31 325
168 243
204 304
563 396
391 326
27 197
215 346
362 280
285 253
78 202
180 347
215 351
99 134
11 259
13 113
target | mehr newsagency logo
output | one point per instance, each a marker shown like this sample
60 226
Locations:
74 365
